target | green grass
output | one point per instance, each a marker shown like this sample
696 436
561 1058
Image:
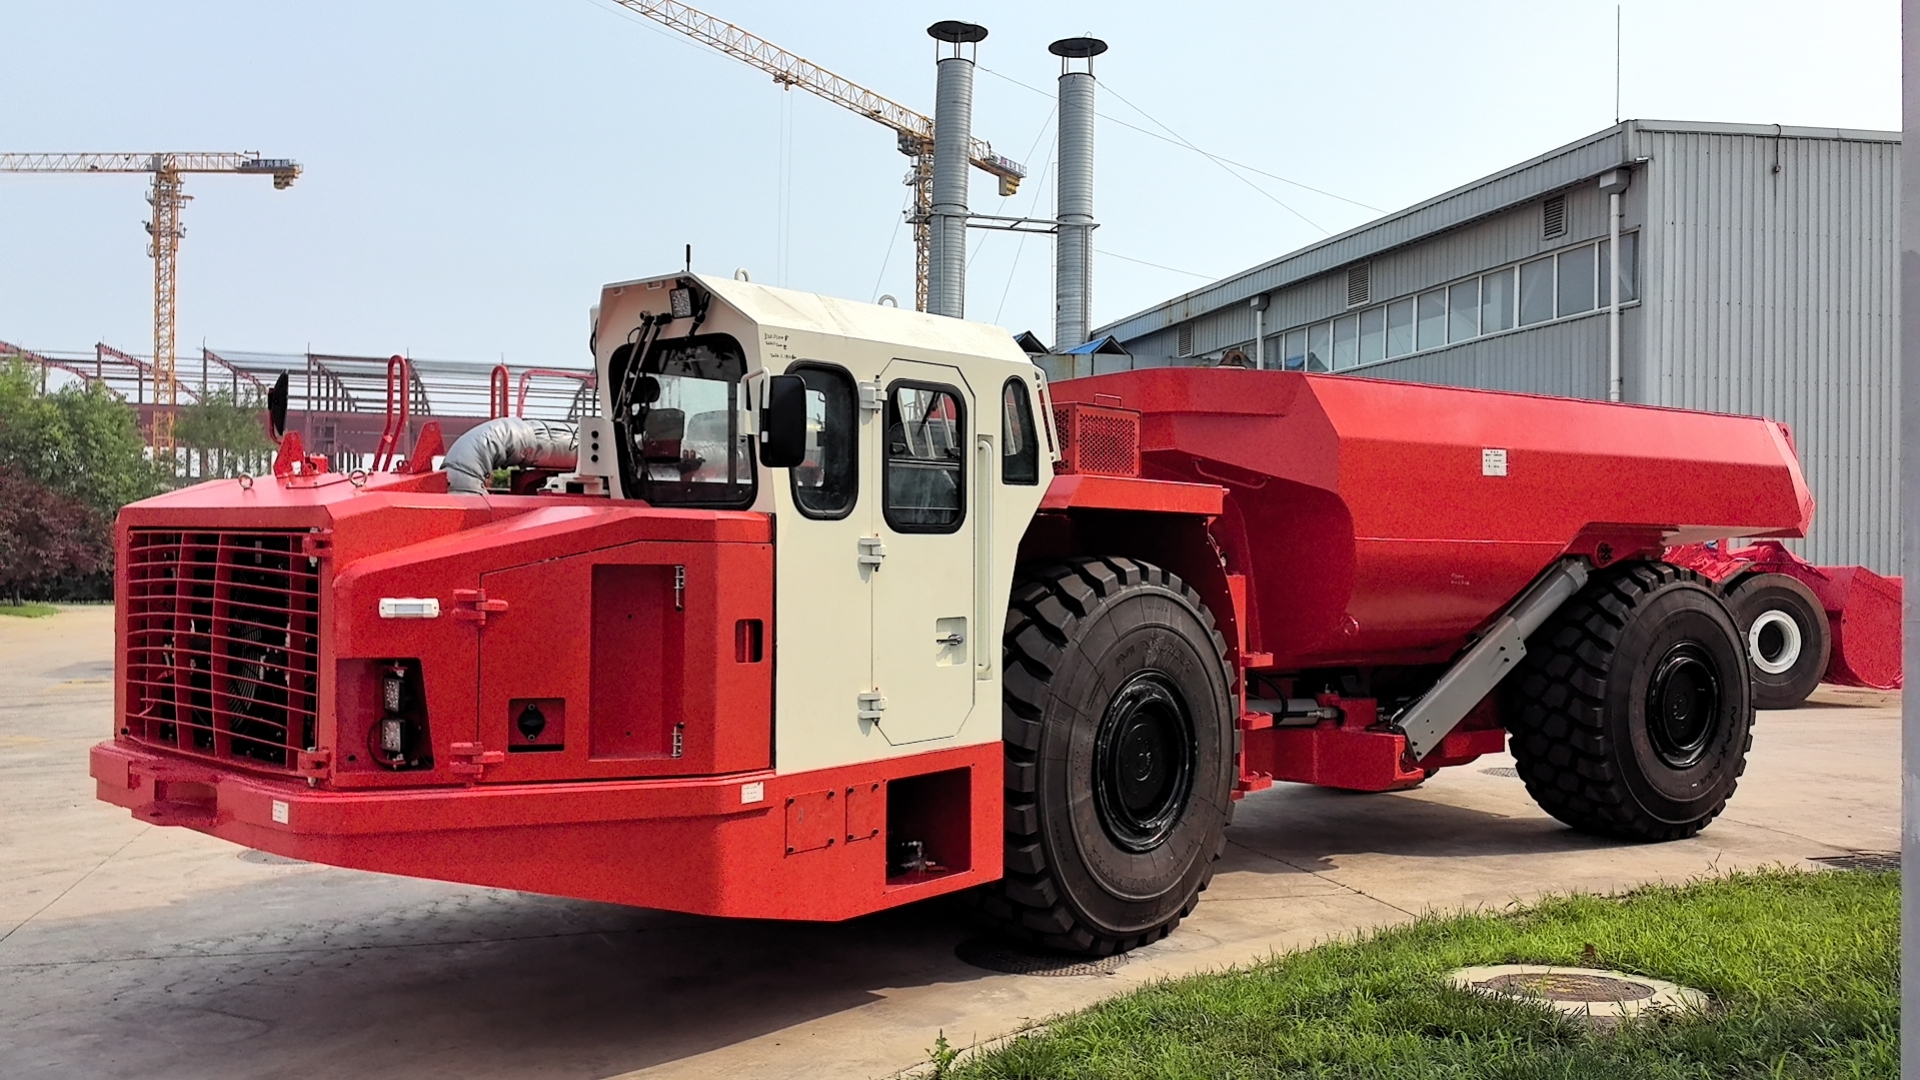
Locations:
1803 969
28 610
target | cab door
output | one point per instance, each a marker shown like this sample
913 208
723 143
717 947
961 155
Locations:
823 604
924 633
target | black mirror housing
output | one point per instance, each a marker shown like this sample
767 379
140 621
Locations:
783 422
277 406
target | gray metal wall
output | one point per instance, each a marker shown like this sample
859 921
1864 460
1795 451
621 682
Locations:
1766 293
1775 294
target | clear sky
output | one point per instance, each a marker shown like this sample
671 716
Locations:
476 170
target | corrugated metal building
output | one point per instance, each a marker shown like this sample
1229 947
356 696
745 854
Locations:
1760 277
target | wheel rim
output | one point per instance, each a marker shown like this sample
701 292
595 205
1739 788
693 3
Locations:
1143 763
1683 705
1774 642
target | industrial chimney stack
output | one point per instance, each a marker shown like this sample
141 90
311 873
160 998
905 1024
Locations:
952 147
1073 204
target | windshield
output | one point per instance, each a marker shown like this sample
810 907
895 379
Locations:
683 438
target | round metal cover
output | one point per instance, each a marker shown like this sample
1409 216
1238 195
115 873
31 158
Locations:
1585 993
1012 959
1078 48
1567 986
956 31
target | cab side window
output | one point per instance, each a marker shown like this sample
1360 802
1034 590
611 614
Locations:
827 483
925 477
1019 448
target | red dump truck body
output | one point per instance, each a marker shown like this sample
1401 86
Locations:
1383 522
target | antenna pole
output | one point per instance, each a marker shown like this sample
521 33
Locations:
1616 63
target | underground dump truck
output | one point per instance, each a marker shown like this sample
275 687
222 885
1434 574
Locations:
836 607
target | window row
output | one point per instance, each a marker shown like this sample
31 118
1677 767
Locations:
1567 283
923 486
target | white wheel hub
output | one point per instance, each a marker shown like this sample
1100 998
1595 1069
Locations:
1774 642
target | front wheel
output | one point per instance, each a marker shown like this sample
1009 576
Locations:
1632 712
1120 755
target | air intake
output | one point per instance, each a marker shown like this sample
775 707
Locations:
1186 339
1553 218
1359 284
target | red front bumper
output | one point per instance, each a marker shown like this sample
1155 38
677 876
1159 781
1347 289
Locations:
705 845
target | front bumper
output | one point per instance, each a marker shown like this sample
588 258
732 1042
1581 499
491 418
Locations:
708 845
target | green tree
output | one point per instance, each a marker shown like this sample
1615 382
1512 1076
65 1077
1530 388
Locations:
228 431
69 460
79 440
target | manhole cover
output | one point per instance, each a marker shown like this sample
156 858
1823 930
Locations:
1502 770
1567 986
1880 861
268 858
1012 959
1587 993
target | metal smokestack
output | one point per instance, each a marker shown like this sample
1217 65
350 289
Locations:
1073 202
952 146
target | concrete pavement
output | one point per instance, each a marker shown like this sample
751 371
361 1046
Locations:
128 950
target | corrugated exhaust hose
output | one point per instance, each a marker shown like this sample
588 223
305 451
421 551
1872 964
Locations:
508 443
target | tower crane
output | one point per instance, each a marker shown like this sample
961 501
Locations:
914 130
168 200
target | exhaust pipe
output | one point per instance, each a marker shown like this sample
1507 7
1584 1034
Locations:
952 147
507 443
1073 200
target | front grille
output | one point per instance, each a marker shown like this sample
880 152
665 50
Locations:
223 647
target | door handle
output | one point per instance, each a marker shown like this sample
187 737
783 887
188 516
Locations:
950 639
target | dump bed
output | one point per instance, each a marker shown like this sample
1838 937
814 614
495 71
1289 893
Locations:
1382 522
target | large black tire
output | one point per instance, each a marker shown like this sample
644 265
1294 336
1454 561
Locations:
1632 712
1120 746
1787 635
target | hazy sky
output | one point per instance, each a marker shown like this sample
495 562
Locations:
476 170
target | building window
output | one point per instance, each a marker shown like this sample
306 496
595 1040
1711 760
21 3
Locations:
925 482
1576 280
826 483
1346 341
1293 350
1629 269
1400 327
1432 330
1373 335
1463 310
1553 218
1019 445
1320 347
1496 301
1536 291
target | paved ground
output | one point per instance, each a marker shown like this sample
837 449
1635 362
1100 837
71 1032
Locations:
127 950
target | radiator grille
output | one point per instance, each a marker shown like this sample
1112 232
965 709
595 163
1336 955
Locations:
223 648
1097 440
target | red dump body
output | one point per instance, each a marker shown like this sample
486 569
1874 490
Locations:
1382 522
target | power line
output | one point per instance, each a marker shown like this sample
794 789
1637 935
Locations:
1155 265
1185 145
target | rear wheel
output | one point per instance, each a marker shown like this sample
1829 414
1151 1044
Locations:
1788 638
1631 713
1120 755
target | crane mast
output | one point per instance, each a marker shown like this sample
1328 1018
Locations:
915 130
168 200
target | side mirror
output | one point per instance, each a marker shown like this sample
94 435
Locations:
277 406
783 422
